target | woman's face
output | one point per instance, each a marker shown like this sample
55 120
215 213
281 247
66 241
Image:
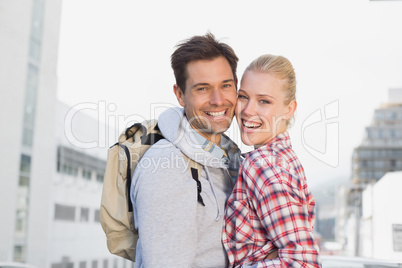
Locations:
261 111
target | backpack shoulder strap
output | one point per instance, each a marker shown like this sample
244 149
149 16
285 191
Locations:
136 140
195 170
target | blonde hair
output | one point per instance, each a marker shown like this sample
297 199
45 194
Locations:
280 67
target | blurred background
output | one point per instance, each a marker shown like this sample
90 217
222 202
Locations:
75 73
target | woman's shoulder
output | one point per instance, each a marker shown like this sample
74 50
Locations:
259 158
268 157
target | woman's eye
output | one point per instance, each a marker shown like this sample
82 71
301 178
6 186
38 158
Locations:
242 97
265 102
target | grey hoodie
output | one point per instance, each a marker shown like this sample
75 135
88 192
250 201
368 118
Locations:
175 230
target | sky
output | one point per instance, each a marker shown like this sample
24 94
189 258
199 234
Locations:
114 59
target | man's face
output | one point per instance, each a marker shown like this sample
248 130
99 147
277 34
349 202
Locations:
210 97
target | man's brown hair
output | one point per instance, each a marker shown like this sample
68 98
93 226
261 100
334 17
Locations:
204 47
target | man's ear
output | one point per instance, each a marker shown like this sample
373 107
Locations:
179 95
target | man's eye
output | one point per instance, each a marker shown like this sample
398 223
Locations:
227 85
201 88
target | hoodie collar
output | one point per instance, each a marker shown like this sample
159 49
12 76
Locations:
176 129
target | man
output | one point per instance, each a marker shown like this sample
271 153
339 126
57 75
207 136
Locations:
180 223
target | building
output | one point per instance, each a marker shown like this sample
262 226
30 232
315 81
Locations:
381 149
380 152
29 36
76 238
381 230
50 184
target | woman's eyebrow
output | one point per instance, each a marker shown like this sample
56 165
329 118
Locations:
265 95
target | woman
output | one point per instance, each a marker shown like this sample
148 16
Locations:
270 214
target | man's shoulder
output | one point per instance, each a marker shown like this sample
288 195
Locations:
162 146
160 149
159 157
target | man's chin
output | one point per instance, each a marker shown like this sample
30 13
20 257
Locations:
220 129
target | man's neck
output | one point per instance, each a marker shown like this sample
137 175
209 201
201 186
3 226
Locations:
214 138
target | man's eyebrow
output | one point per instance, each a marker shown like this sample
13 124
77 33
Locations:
200 84
207 84
228 80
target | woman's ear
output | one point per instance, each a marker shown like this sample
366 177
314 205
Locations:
179 95
291 109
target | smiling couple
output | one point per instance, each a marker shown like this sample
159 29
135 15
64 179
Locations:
256 211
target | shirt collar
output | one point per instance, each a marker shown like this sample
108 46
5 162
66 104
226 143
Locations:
228 152
209 146
282 138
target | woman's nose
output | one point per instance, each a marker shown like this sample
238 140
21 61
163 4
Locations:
247 108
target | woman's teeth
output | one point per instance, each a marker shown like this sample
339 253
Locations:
251 124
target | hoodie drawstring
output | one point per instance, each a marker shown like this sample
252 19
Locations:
220 213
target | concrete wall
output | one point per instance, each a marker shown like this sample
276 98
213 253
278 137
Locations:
44 153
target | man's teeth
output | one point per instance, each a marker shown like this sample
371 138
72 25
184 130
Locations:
251 124
216 113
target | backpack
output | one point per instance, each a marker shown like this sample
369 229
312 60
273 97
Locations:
116 211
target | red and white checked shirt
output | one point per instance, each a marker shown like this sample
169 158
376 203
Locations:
271 208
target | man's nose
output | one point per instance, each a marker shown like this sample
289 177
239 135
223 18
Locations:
216 98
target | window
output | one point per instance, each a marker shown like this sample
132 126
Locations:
379 174
63 212
105 263
99 178
82 264
94 264
397 237
19 253
378 115
392 163
392 133
36 23
24 181
30 103
84 217
34 50
20 222
364 163
19 225
27 137
25 165
378 164
65 263
399 164
86 174
97 215
70 160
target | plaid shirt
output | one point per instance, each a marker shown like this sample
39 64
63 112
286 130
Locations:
271 208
